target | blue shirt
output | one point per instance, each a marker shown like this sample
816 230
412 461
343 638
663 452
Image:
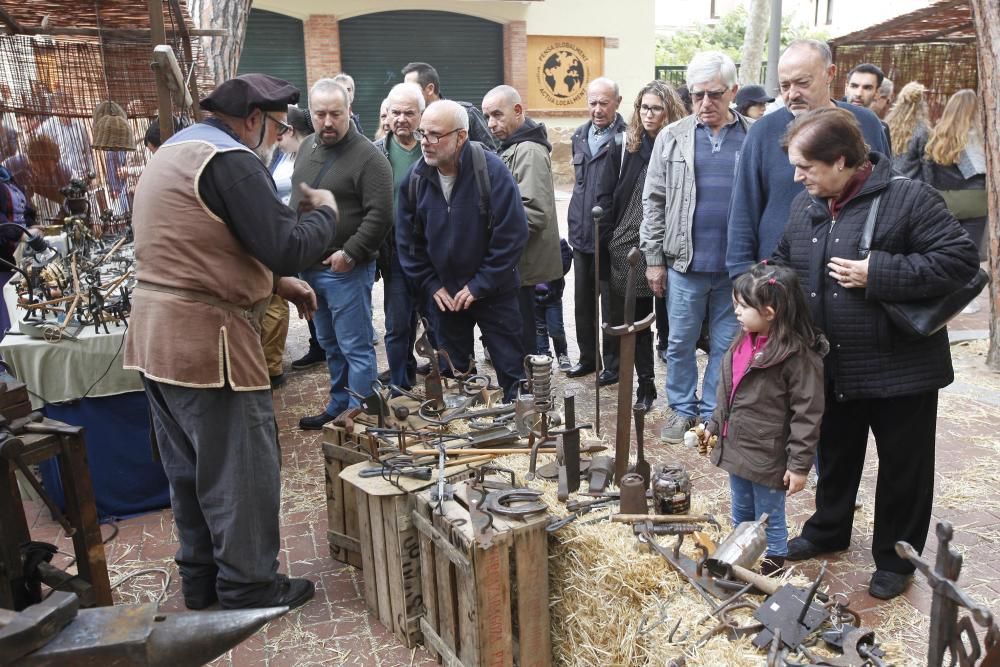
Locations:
595 140
765 186
715 158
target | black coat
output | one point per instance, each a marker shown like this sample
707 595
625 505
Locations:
588 169
918 251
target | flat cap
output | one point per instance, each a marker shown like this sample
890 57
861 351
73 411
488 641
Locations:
240 96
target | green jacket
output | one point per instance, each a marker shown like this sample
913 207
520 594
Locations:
531 166
360 179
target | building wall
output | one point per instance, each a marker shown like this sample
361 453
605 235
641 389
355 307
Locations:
628 56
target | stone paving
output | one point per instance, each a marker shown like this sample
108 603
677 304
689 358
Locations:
335 628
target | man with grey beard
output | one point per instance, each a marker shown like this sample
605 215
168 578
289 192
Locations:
212 242
340 159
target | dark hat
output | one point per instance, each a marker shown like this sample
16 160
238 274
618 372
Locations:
240 96
748 95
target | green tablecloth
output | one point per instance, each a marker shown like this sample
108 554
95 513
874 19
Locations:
66 370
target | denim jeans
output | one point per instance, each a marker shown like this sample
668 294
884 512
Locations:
344 330
691 297
750 500
400 326
549 324
549 319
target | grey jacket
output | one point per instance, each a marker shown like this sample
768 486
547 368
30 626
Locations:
531 166
668 198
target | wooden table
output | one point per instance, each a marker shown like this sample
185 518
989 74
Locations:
81 512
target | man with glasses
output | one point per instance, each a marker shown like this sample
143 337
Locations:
525 149
401 149
211 240
683 234
461 258
765 183
340 159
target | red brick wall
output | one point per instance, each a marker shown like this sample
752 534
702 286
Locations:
515 55
322 42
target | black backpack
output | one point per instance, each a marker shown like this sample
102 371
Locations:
482 176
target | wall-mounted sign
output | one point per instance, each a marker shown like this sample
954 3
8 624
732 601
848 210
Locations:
560 68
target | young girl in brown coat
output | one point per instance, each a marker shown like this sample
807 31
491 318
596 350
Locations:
770 401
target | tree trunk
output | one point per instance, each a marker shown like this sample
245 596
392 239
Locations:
986 14
753 42
221 54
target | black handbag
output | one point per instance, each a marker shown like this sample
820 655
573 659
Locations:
922 317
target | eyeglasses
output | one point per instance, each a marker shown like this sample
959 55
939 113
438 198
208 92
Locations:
648 109
432 138
283 127
714 95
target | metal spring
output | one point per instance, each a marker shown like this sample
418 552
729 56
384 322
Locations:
539 367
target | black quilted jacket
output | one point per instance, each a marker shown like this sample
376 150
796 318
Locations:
918 251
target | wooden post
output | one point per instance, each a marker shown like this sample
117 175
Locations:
986 16
175 8
157 37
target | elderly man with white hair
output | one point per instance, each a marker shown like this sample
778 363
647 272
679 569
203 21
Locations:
460 237
683 234
404 107
591 144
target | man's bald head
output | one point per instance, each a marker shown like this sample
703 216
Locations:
805 73
603 98
504 111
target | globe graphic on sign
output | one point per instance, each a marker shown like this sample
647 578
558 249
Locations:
564 73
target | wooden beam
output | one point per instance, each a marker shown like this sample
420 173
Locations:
175 10
158 37
109 33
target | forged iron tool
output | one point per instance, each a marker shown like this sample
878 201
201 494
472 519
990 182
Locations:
627 332
518 503
55 634
641 464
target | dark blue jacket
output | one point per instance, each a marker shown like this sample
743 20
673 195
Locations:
588 169
765 186
450 245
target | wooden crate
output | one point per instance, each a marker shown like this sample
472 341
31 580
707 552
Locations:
390 548
483 606
339 452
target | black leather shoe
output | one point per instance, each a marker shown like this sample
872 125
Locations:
799 548
579 371
645 395
606 378
886 585
278 380
424 369
314 356
291 593
316 422
385 377
199 594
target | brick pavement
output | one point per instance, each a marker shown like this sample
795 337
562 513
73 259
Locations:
334 628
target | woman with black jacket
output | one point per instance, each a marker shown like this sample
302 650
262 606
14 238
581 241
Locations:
877 378
620 194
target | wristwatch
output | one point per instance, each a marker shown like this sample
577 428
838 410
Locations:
350 260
